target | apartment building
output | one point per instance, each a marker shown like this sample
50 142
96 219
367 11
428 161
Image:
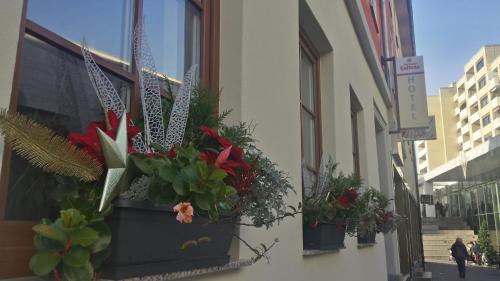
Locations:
259 52
461 166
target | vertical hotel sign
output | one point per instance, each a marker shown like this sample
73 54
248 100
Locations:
412 98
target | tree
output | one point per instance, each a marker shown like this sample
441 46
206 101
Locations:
484 243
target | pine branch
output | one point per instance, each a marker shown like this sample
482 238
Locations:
44 149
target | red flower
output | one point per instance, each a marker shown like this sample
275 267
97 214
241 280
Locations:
224 142
89 142
171 153
353 194
343 201
209 132
208 157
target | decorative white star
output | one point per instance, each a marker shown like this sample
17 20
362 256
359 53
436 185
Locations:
116 157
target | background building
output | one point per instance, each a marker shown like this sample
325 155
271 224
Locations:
261 53
461 167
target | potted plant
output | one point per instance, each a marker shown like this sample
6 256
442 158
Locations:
374 216
330 209
147 199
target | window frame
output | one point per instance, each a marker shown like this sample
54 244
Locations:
479 62
313 55
482 81
485 98
16 235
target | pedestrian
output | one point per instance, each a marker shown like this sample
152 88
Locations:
459 252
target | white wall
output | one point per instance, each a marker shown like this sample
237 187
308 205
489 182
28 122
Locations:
259 71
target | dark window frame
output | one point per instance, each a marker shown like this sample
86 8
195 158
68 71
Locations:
313 55
481 63
16 236
481 83
484 117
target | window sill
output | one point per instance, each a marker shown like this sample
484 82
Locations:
234 265
367 245
312 253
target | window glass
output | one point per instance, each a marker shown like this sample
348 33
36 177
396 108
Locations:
484 101
307 82
482 82
479 64
56 91
174 34
308 139
486 120
105 25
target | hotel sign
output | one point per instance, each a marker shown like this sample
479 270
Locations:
412 98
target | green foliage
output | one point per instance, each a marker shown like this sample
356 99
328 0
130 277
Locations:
187 178
484 242
372 212
75 244
264 203
339 202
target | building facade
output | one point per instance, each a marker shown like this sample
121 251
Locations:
308 72
460 166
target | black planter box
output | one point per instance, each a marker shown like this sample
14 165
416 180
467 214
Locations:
369 238
148 240
326 236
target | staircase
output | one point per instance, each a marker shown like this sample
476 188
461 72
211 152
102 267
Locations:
439 234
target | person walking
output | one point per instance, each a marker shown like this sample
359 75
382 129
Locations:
459 252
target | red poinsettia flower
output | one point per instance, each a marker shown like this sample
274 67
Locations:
353 194
89 142
171 153
343 201
209 132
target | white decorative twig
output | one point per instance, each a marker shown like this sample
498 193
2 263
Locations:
180 110
150 88
106 92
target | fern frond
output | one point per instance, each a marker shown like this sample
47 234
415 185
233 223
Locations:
44 149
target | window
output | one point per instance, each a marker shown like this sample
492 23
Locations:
374 12
355 109
484 101
462 106
479 64
486 120
310 114
482 82
53 88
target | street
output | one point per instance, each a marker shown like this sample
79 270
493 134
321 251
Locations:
448 272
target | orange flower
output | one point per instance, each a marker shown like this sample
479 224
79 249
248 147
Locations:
184 212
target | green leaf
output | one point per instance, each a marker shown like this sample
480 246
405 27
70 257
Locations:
202 202
77 256
82 273
85 236
104 236
45 244
179 187
143 164
167 173
217 174
43 262
202 168
71 218
50 232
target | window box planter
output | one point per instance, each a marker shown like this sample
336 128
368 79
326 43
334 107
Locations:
149 240
369 238
326 236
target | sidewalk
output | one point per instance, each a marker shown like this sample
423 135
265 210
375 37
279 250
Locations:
447 271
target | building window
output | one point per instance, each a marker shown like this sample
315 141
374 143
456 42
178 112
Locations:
479 64
484 101
310 114
374 12
482 82
54 89
486 120
355 110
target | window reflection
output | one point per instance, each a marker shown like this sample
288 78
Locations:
174 33
55 91
106 25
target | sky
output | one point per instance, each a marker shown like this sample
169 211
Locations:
449 32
